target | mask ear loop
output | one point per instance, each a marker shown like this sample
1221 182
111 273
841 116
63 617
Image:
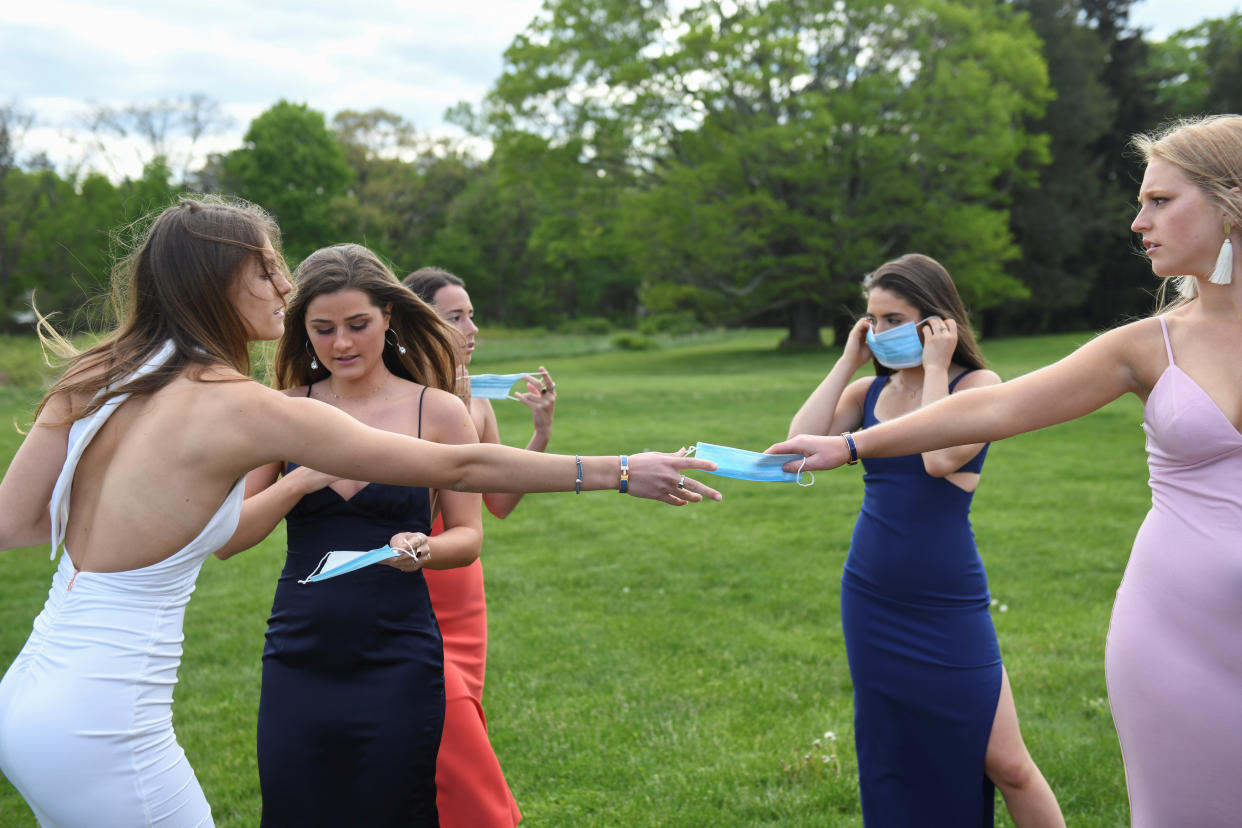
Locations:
318 568
799 480
691 450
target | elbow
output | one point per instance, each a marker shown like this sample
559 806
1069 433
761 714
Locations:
497 507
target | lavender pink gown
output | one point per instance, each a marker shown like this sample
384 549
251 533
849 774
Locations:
1174 656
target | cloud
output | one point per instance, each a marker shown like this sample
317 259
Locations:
413 58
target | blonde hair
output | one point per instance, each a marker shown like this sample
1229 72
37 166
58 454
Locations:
1209 151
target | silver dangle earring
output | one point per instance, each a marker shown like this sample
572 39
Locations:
1223 274
314 362
394 343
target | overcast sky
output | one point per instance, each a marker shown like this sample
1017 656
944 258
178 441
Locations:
414 57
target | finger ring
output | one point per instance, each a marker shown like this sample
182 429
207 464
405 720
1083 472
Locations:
681 483
944 328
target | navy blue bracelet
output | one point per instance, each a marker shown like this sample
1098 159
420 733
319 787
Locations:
578 482
625 475
849 441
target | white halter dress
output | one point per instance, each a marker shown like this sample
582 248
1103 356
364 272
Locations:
86 730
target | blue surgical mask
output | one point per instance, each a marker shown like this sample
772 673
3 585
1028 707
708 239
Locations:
898 347
495 386
751 465
340 562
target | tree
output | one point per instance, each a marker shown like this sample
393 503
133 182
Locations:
292 165
770 153
1199 68
1057 219
403 183
1124 285
168 128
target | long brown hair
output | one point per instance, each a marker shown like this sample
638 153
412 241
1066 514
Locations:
430 356
923 282
1209 151
174 285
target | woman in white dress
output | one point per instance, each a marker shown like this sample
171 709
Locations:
152 432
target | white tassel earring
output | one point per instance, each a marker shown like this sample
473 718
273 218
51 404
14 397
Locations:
1223 274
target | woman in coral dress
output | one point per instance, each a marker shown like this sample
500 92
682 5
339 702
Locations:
472 788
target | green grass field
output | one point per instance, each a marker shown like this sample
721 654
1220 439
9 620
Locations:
652 666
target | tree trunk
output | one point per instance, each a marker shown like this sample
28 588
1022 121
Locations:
803 326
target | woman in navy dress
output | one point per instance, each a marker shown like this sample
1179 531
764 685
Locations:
352 704
934 719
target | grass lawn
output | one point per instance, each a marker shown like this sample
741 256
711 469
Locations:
669 667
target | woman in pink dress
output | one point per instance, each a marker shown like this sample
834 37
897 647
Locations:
471 789
1173 660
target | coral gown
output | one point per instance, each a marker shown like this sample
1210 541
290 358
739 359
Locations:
471 791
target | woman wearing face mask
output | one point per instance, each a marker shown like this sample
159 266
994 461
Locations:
935 723
471 789
1173 660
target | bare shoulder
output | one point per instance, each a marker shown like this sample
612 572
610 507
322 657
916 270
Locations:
1138 347
446 418
439 400
857 390
484 417
979 378
231 397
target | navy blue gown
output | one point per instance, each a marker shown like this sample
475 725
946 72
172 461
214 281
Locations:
352 704
922 650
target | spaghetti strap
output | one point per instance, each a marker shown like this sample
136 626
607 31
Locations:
420 412
1168 347
958 378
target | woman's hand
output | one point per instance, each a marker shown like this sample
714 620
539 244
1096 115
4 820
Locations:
821 452
661 476
540 398
939 342
856 353
415 549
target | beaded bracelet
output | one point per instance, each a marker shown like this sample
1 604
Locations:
625 474
578 482
849 441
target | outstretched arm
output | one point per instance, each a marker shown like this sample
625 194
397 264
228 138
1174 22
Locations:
313 434
1091 377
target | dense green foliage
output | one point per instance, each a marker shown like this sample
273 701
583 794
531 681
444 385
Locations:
652 666
703 163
